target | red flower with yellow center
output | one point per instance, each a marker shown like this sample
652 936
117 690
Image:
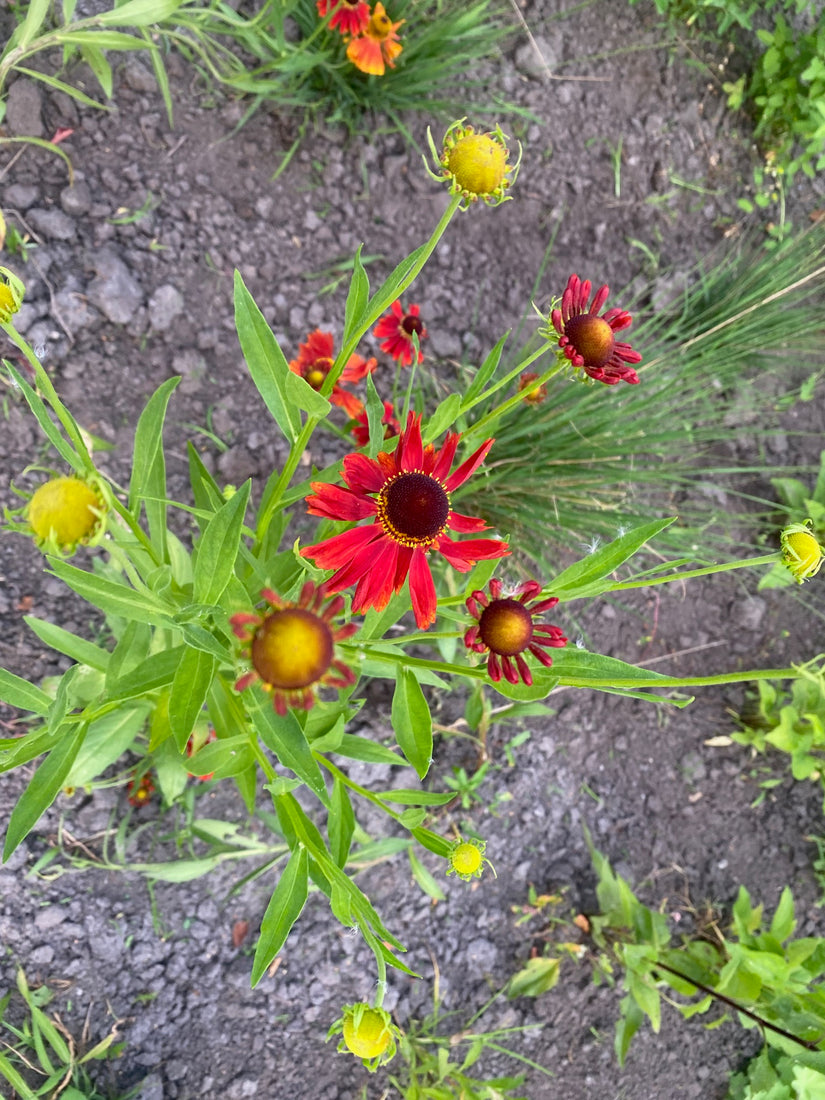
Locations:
396 330
314 362
292 647
349 16
377 45
140 791
506 628
361 431
407 497
589 340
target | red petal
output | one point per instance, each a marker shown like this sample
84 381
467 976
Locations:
410 452
459 476
335 502
362 474
341 549
465 524
444 459
376 583
463 555
422 590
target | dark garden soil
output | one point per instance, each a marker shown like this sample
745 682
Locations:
115 306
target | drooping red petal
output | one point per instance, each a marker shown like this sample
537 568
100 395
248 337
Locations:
336 502
422 590
464 555
362 474
465 525
340 550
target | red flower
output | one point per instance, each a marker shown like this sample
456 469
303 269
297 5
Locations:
349 16
194 746
361 431
505 628
140 790
407 498
292 647
315 358
377 45
396 329
588 340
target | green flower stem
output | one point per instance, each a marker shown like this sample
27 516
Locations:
260 756
362 791
517 398
745 563
370 317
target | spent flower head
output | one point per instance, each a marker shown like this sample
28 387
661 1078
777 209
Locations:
367 1032
466 858
801 551
505 628
291 646
476 165
406 498
589 340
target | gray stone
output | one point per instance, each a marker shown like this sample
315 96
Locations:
50 917
76 200
537 60
52 223
74 309
151 1088
115 291
164 306
138 77
20 196
191 367
23 109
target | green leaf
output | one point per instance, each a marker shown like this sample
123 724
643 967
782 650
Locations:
412 722
85 653
218 548
138 13
18 692
189 687
283 910
47 424
484 373
424 878
579 668
537 976
229 756
414 797
147 484
304 397
106 741
266 362
283 736
341 824
783 923
357 296
627 1025
31 25
443 417
585 577
156 671
44 786
361 748
111 597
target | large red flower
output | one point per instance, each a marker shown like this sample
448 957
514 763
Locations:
349 16
315 359
588 340
406 496
396 329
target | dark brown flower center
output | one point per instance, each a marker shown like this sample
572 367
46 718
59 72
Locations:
292 649
412 324
592 337
506 627
413 508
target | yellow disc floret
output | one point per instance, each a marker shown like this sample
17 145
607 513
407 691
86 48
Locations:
801 551
64 511
466 859
477 166
8 302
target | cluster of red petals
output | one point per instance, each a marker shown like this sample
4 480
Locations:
378 556
377 46
396 328
140 790
574 303
314 362
349 16
489 611
361 429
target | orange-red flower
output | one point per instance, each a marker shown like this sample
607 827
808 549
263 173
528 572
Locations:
406 496
505 628
377 45
588 340
349 16
315 359
361 430
396 329
140 791
292 646
533 394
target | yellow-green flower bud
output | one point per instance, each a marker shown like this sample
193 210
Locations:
801 551
466 859
477 166
367 1032
64 512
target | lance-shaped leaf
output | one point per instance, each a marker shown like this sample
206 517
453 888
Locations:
283 910
412 722
218 548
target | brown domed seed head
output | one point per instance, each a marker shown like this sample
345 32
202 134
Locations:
506 627
592 337
292 649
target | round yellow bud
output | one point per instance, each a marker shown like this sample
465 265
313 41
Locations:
64 509
478 164
367 1032
801 551
466 859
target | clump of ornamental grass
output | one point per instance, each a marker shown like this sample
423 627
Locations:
721 360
